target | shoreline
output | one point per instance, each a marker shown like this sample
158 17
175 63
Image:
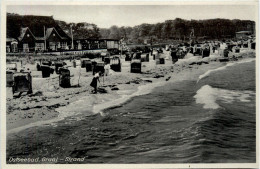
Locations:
139 84
141 90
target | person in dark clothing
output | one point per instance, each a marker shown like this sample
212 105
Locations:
94 81
226 51
174 55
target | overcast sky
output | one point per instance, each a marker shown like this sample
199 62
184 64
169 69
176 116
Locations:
131 15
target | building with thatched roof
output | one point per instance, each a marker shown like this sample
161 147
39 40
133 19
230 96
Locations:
51 41
43 33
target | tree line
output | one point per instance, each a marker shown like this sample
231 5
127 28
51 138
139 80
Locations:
82 30
180 29
170 29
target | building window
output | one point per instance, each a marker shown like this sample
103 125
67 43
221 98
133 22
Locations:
102 45
63 45
25 47
14 47
52 46
79 46
7 49
39 46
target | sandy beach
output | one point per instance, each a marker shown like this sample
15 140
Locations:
49 102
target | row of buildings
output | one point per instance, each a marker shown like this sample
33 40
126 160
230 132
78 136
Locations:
53 41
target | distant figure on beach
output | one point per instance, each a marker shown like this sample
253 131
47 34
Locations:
107 67
94 81
225 52
213 48
222 47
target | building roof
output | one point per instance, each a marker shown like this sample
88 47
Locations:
243 32
35 23
50 30
48 33
10 40
40 38
23 32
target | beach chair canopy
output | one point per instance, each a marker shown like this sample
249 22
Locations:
11 66
136 61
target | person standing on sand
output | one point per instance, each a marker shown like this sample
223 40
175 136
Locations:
94 82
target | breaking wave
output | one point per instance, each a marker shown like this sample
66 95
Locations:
208 96
224 67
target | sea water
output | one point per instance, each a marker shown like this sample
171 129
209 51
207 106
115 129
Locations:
208 120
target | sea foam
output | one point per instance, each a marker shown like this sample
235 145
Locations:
224 67
208 96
